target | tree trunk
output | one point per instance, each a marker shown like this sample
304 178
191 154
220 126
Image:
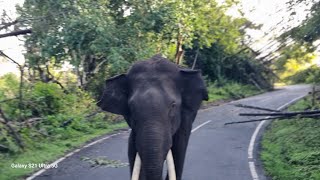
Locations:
195 59
179 50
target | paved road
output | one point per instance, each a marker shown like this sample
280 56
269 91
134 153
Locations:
215 152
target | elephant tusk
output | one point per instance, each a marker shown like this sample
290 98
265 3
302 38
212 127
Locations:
171 168
136 168
170 162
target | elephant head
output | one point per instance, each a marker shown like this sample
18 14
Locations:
156 98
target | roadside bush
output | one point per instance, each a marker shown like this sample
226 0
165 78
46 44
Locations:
46 112
230 90
45 99
9 86
310 75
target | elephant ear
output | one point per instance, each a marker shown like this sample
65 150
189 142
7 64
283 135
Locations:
115 95
193 89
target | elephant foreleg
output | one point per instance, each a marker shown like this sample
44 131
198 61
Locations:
131 151
180 143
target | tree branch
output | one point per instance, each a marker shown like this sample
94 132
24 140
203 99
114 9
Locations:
69 121
255 107
316 116
195 59
4 148
21 69
98 66
6 100
6 25
16 33
286 114
6 56
15 135
53 79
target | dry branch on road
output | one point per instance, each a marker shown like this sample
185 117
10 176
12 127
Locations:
287 114
255 107
275 118
278 115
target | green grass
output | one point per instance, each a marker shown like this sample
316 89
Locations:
47 151
291 148
231 90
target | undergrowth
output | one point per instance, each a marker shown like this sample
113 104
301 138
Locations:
230 90
291 148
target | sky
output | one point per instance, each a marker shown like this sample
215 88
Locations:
273 15
269 13
11 45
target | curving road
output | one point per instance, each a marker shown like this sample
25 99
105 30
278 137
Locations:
215 152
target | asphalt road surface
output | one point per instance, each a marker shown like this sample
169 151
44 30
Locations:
215 151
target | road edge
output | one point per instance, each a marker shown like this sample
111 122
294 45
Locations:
72 152
254 161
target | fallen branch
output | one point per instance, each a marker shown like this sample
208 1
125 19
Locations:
30 122
69 121
255 107
4 148
273 118
6 100
287 114
15 135
2 121
8 24
27 122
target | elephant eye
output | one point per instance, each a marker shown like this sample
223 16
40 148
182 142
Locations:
172 109
172 105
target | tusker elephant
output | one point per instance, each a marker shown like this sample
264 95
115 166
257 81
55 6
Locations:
159 100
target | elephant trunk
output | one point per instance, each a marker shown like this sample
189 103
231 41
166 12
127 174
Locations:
153 147
152 161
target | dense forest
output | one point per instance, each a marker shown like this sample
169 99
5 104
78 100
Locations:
72 47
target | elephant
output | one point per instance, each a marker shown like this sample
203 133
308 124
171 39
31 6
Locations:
159 101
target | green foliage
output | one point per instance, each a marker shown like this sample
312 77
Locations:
103 38
310 75
300 42
291 147
9 89
217 64
62 115
46 99
9 85
230 90
294 59
309 30
50 123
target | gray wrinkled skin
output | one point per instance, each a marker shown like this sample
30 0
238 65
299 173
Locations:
159 101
